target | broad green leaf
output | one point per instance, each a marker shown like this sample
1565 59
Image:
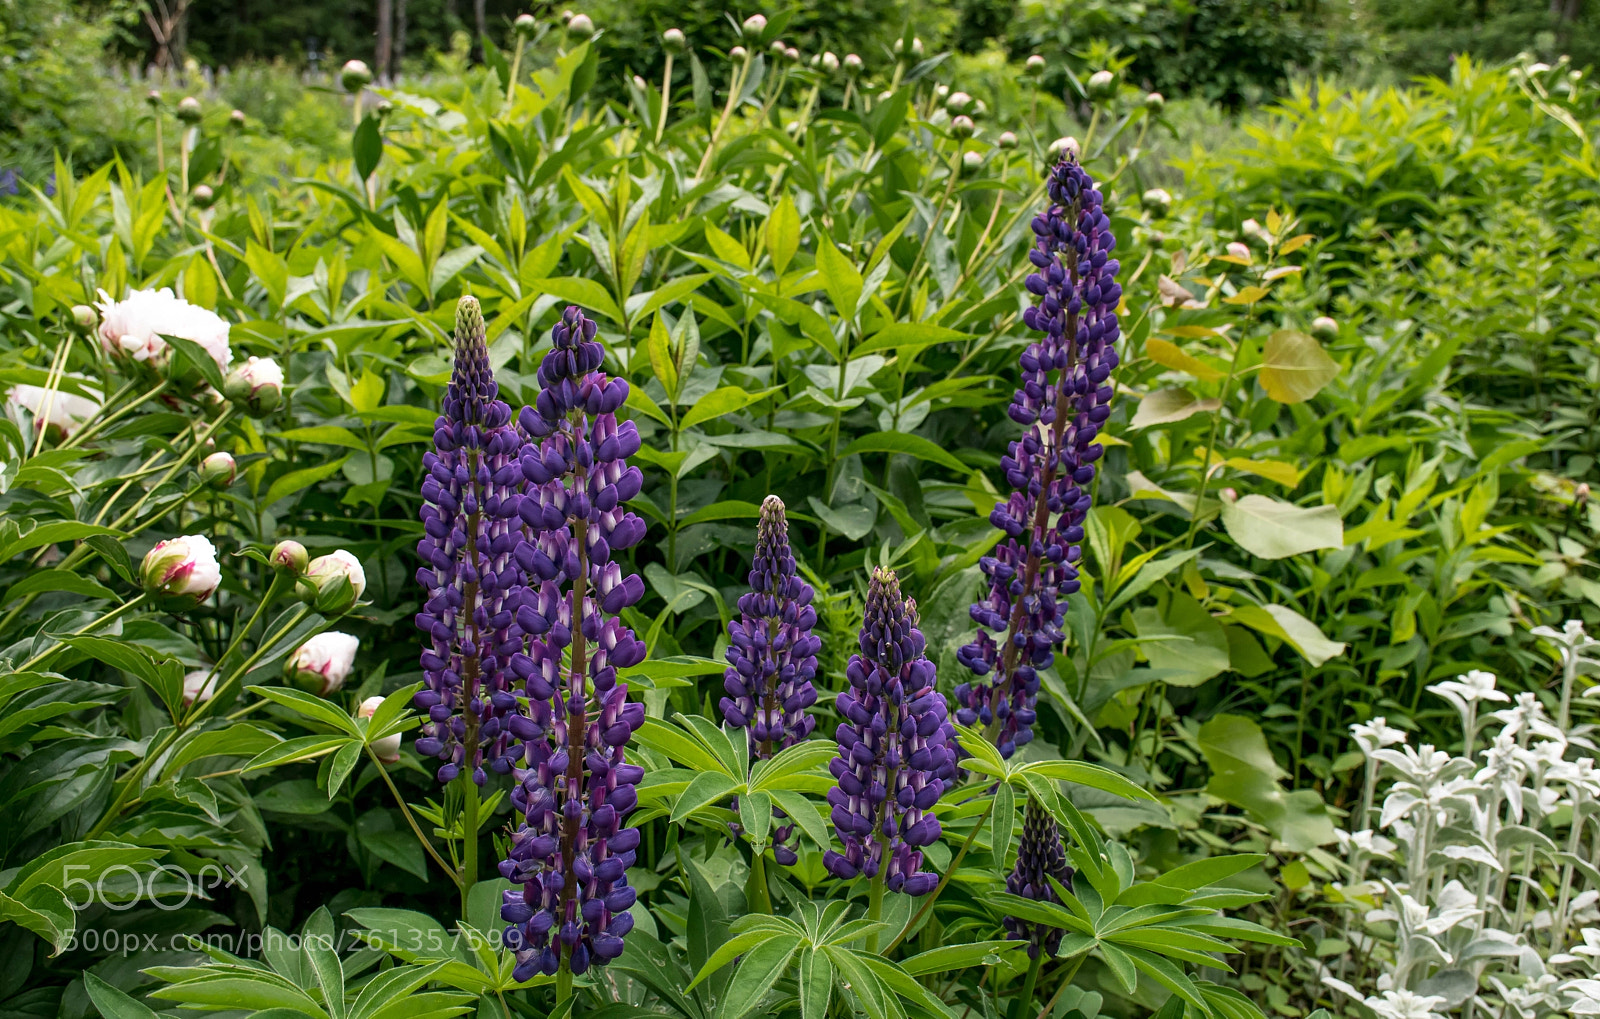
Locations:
901 337
1288 625
1244 773
1294 367
1170 355
1169 406
1198 649
910 445
1274 529
113 1003
585 293
310 706
840 278
1094 776
783 233
704 790
719 402
298 481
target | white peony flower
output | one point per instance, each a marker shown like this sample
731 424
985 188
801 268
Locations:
180 573
388 748
132 329
323 663
60 411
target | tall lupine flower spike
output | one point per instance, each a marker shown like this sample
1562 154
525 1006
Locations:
472 530
1040 857
772 655
1064 399
896 748
574 786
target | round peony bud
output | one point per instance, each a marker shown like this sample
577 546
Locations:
525 25
131 330
322 664
1035 66
236 120
792 55
203 196
256 386
1007 140
355 75
1157 202
189 110
674 40
218 470
386 749
776 49
957 102
199 685
738 53
1102 85
971 161
1155 102
289 556
581 25
853 64
753 26
152 98
180 573
1324 328
962 127
84 317
830 63
333 583
1063 147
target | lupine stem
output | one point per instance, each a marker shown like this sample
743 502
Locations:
1024 1003
469 835
955 864
875 902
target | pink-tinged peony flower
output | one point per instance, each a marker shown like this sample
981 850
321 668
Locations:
333 583
257 385
59 411
180 573
322 664
388 748
132 329
199 685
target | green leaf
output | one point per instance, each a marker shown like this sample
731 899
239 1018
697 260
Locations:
783 233
1002 817
113 1003
300 480
949 958
1199 648
1092 775
904 337
50 534
1294 367
197 356
1290 626
1244 773
312 707
719 402
840 278
1169 406
815 984
1274 529
319 941
581 291
366 146
705 789
911 445
755 976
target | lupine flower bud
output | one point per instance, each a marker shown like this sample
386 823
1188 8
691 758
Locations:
753 26
1102 85
332 584
180 573
1035 65
189 110
473 537
1155 102
1040 857
962 127
1157 202
574 785
255 386
1324 328
581 25
1063 402
387 749
1065 147
322 664
199 685
218 470
674 40
355 75
1007 140
772 655
896 748
525 25
289 556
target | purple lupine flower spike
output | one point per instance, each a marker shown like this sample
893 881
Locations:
574 786
772 655
896 748
1064 399
472 532
1040 857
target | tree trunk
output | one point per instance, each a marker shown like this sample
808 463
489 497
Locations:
384 52
399 34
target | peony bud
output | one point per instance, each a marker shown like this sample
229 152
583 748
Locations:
971 161
738 53
199 685
84 317
1007 140
152 98
387 749
218 470
1063 147
180 573
962 127
853 64
1102 85
256 386
1255 233
1230 495
1035 66
792 55
1580 495
525 25
1155 102
957 102
332 584
203 196
355 75
754 25
236 120
289 556
322 664
776 49
189 110
1324 328
581 25
674 40
830 63
1157 202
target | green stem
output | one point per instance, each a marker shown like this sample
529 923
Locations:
1211 442
666 98
563 984
1066 982
1024 1003
94 426
92 625
880 882
944 879
406 812
516 68
238 637
469 843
